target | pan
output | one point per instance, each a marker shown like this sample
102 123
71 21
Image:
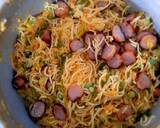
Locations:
12 111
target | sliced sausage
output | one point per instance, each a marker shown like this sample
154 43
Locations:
88 37
157 92
143 81
101 4
142 34
76 45
127 29
75 92
37 109
91 54
148 42
108 52
62 10
100 39
19 82
46 37
115 62
118 47
118 34
128 58
124 112
130 47
59 112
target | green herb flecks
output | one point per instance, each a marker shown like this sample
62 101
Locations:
131 94
27 54
147 21
121 85
89 87
153 62
30 20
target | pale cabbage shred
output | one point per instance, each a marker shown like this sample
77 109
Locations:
107 81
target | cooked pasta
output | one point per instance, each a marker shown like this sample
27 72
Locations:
85 64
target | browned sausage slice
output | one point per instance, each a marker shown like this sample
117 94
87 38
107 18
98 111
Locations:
124 112
62 10
91 54
142 34
88 37
37 109
128 58
143 81
115 62
157 92
46 37
19 82
108 52
127 29
118 34
130 47
148 42
76 45
59 112
75 92
100 38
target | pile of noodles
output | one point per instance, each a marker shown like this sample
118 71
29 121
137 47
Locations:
105 88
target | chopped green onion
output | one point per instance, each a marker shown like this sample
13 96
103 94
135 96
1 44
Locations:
49 7
153 61
98 106
89 87
31 20
81 30
60 96
131 94
34 92
147 21
43 62
121 85
71 13
38 32
50 17
27 54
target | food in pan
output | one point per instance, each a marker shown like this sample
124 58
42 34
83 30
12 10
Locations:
87 64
